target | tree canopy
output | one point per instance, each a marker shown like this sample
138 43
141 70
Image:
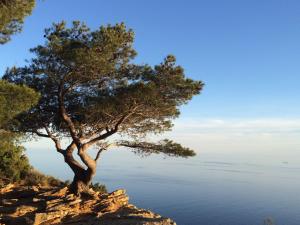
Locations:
89 77
12 14
14 99
91 89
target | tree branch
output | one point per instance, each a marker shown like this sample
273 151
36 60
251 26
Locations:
40 134
69 159
65 116
98 153
87 160
166 147
54 139
110 132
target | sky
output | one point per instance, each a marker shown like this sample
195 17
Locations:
246 52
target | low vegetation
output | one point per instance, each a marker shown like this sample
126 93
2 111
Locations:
14 165
99 187
34 177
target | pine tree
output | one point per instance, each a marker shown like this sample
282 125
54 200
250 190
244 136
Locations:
91 90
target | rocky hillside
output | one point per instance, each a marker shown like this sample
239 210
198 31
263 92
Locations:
40 206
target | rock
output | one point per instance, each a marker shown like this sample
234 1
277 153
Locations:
36 200
35 188
7 188
112 202
49 217
47 206
24 209
6 202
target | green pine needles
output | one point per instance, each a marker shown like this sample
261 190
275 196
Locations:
12 14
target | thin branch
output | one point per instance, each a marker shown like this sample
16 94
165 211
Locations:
110 132
40 134
69 88
98 153
101 137
104 149
55 140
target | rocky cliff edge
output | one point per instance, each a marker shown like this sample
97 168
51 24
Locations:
20 205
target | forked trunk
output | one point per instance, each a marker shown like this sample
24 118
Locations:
82 177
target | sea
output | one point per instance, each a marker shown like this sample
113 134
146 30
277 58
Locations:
211 188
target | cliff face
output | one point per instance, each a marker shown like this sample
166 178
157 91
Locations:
43 206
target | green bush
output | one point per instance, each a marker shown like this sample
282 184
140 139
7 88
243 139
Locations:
14 99
14 165
35 177
99 187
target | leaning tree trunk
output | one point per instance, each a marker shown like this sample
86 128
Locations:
82 176
81 182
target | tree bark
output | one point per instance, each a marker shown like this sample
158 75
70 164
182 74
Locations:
81 183
82 176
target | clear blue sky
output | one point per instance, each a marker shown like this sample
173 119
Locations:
246 51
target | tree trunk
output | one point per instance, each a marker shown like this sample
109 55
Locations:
82 177
81 182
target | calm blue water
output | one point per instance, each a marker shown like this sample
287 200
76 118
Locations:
209 189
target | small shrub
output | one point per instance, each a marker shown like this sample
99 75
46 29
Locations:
99 187
34 177
67 182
